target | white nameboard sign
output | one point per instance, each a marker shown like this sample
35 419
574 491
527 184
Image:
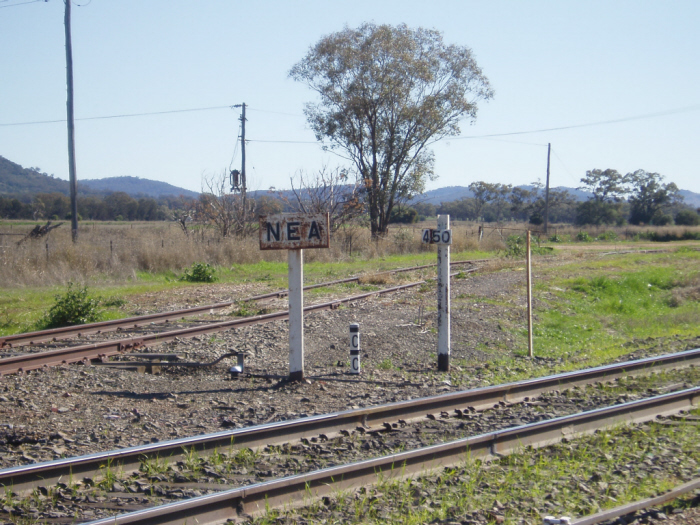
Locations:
294 231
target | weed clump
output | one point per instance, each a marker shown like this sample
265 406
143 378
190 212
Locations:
199 273
72 308
608 236
516 246
248 309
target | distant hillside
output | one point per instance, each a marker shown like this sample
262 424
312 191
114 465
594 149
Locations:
690 198
14 179
17 180
136 186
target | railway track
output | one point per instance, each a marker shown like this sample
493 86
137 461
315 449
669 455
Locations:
105 349
56 334
385 419
293 491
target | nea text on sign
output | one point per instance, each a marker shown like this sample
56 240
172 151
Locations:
294 231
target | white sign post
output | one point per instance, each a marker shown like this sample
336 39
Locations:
442 236
295 259
294 232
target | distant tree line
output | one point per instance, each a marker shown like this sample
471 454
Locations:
494 202
636 198
117 206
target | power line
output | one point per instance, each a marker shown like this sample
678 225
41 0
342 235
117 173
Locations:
687 109
23 3
508 141
562 163
125 115
276 112
286 141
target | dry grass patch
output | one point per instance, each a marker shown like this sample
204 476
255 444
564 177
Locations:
383 278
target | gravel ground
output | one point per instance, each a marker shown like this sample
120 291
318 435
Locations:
72 410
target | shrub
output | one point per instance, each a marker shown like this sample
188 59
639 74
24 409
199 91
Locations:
661 219
74 307
403 216
667 237
608 236
687 218
199 273
536 219
515 246
583 237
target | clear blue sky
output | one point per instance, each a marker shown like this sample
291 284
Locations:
551 63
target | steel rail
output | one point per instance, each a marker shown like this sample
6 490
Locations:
101 350
622 510
54 334
300 490
27 477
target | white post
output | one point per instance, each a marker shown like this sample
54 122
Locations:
295 259
443 299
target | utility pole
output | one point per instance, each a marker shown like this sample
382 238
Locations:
71 128
238 182
546 191
243 186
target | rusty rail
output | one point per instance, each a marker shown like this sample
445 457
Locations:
83 353
622 510
65 332
302 489
27 477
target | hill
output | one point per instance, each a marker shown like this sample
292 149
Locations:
690 198
14 179
136 186
17 180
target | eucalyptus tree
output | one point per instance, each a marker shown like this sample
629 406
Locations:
385 94
651 198
608 188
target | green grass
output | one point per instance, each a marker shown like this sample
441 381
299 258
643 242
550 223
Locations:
616 302
573 478
590 312
22 308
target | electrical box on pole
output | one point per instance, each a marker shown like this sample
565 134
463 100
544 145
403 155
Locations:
237 178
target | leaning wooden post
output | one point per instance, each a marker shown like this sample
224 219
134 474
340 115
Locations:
295 259
528 258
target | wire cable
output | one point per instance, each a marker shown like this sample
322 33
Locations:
562 163
23 3
235 147
687 109
285 141
125 115
274 112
